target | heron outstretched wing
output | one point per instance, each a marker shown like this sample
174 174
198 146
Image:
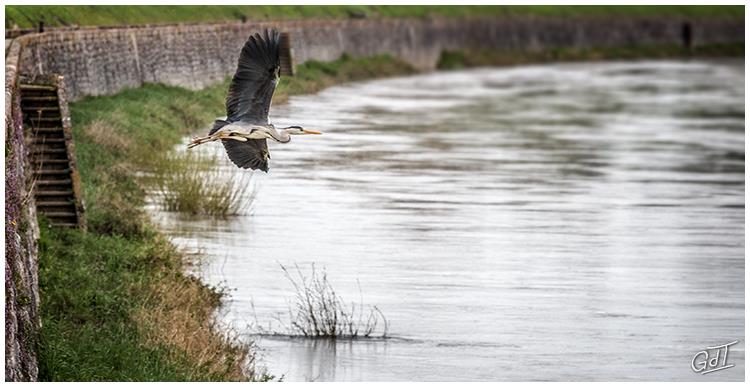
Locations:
249 97
245 154
253 84
251 154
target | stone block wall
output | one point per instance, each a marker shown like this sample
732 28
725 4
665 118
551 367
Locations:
104 61
21 235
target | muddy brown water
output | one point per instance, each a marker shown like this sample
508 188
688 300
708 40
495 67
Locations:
554 222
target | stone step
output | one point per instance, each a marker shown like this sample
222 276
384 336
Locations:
55 203
64 193
51 161
35 115
53 164
49 136
40 108
40 151
46 140
29 86
51 148
45 119
62 171
56 129
40 98
54 182
59 214
34 124
49 144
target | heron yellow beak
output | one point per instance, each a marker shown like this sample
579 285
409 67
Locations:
311 131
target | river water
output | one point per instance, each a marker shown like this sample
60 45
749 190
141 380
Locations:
553 222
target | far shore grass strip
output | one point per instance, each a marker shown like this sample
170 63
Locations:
29 16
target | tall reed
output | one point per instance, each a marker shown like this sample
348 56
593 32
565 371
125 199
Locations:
186 182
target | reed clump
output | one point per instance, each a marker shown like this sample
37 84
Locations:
317 311
186 182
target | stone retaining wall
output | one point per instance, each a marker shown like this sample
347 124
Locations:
104 61
21 236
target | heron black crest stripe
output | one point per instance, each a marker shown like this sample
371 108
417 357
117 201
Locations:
253 84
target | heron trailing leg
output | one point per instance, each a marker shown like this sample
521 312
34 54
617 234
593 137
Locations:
215 137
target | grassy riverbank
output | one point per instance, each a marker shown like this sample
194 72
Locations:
28 16
115 301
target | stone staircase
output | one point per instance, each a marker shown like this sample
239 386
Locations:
49 138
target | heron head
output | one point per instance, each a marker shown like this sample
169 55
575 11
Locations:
294 129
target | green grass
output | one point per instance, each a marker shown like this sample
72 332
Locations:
90 284
93 288
28 16
115 302
485 58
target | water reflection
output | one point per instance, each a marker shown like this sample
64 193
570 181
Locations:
558 222
322 359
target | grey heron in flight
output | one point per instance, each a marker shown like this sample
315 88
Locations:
246 127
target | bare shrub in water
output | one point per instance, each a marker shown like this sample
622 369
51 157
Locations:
194 184
317 311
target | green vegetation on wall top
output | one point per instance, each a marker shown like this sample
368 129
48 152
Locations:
28 16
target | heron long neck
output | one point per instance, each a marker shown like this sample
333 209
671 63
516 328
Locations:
279 135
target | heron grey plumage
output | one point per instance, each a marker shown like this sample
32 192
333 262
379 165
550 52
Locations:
245 129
